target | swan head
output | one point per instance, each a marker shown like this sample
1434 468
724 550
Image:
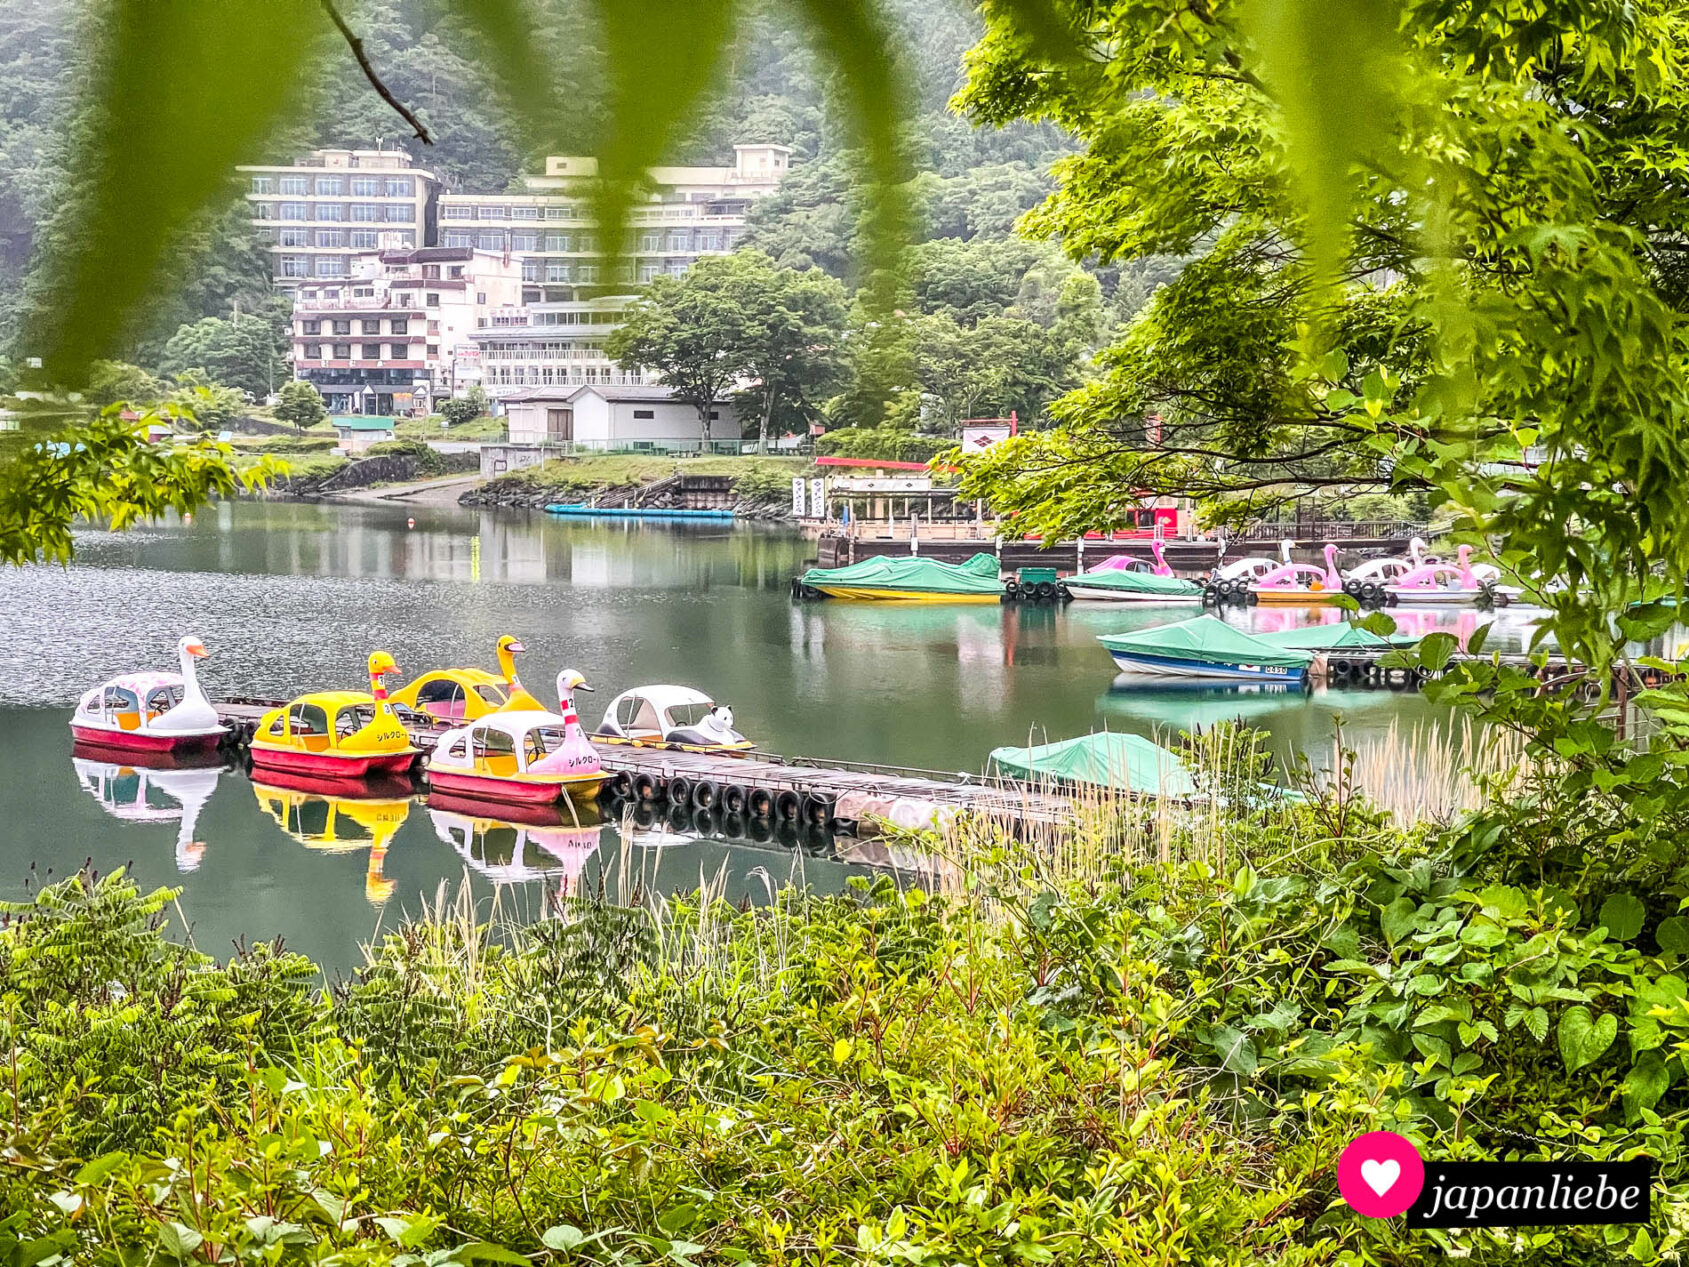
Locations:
510 646
191 646
1463 553
1284 549
381 664
569 681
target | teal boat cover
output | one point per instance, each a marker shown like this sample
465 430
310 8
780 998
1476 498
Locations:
1340 635
1129 762
911 572
1207 640
1136 582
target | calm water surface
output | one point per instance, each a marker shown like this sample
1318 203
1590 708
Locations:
292 598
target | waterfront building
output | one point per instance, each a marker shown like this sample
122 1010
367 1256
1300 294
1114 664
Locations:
397 334
555 335
318 213
625 417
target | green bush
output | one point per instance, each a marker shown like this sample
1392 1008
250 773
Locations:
428 461
887 444
763 485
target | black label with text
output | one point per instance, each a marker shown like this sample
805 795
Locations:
1532 1193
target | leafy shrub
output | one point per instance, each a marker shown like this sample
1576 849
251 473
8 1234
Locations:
427 460
887 444
761 485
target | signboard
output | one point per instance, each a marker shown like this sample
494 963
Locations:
818 499
894 484
978 436
797 496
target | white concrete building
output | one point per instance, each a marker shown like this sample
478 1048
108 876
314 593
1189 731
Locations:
318 212
397 334
616 417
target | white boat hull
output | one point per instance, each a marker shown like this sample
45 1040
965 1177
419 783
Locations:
1168 667
1097 593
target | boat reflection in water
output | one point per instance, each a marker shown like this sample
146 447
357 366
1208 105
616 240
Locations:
339 816
158 787
524 844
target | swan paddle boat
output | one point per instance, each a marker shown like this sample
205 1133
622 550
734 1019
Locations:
527 756
465 694
1301 584
323 816
159 790
1233 580
337 734
151 712
1112 581
1206 647
1453 584
675 717
526 844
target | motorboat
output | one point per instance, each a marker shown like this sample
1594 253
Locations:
464 694
1300 584
1133 582
151 712
337 734
910 579
1452 584
670 717
339 816
1108 759
1205 647
151 788
528 757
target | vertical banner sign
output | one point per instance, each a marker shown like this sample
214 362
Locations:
797 496
818 499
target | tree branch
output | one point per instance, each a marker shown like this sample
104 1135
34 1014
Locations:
386 93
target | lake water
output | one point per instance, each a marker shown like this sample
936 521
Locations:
292 597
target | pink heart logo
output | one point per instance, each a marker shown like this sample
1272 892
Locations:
1380 1174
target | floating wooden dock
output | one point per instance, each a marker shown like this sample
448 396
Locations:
761 786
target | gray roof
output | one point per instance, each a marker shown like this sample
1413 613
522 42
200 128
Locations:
613 392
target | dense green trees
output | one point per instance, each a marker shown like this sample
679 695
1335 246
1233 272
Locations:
300 404
248 352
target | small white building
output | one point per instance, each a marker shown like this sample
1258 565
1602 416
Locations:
604 416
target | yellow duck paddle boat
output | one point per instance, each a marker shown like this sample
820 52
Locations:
469 694
337 734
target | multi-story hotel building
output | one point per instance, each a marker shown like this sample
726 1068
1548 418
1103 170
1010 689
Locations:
397 333
320 212
555 334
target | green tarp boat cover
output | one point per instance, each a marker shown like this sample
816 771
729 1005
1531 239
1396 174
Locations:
1207 639
1129 762
1135 582
1340 635
911 572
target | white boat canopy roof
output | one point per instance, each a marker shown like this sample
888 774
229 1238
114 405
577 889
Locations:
514 724
663 698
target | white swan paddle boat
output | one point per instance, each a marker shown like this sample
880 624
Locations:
157 791
527 756
151 712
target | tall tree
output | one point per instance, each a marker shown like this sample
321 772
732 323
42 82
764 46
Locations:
246 351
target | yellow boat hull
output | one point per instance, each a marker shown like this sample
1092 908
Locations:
1296 598
903 596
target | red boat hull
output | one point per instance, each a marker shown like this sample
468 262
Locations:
508 791
377 787
140 741
332 765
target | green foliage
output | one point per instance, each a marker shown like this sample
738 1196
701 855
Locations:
248 353
300 403
888 444
428 461
460 410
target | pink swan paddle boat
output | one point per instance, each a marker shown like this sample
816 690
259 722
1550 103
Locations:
1303 584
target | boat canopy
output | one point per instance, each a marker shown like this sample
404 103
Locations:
1208 640
1339 635
1107 578
1128 762
979 575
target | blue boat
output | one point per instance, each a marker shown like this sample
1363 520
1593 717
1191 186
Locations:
580 510
1206 647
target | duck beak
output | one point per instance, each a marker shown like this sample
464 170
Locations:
516 647
584 687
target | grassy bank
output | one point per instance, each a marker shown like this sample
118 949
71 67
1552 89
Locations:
1142 1041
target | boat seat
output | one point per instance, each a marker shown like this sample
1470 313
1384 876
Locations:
128 721
499 764
446 709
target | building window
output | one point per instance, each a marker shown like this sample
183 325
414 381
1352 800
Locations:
291 211
487 212
480 296
648 272
328 187
431 300
263 211
365 187
365 238
343 351
433 327
330 237
366 211
433 349
403 299
588 274
459 237
406 237
311 327
559 213
295 237
557 242
556 271
263 184
399 351
524 213
397 213
524 241
649 413
400 325
370 351
455 271
331 211
294 185
343 327
650 241
331 266
714 416
399 187
369 327
313 351
363 292
490 241
294 266
530 270
431 272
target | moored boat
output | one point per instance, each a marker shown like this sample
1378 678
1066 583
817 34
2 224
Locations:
1116 585
1301 584
526 757
151 712
911 579
1339 635
1120 762
1457 584
337 734
675 717
464 694
1205 647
